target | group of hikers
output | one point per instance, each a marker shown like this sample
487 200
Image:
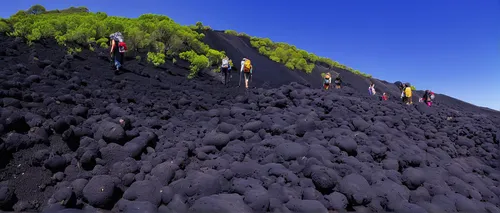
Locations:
328 80
119 47
406 94
246 68
405 89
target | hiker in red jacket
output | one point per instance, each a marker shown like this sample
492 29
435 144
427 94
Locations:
384 97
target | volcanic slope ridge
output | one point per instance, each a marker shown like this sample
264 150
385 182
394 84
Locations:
268 73
76 136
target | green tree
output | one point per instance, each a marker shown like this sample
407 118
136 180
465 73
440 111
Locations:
199 25
36 9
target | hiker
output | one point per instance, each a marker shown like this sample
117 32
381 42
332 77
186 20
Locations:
327 81
241 69
371 89
384 97
402 88
230 69
247 70
408 94
118 49
428 97
338 82
225 69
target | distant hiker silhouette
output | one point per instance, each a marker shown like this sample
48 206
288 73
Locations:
118 49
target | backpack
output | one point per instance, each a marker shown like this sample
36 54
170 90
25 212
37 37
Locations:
225 63
247 66
118 37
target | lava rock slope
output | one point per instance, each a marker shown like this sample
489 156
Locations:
75 137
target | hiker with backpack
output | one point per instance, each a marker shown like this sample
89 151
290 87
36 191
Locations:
118 49
428 97
247 69
408 94
371 89
384 96
338 82
225 69
241 69
327 80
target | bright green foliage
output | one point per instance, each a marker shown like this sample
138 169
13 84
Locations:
73 50
198 62
231 32
156 58
295 58
413 88
4 27
243 35
288 55
214 56
103 42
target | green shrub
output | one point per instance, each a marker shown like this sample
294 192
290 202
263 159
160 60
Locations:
231 32
4 27
76 26
103 42
73 50
294 58
198 62
413 88
214 56
138 58
156 58
243 35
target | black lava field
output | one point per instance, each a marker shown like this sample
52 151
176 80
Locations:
76 137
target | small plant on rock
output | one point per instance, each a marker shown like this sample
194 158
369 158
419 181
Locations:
156 58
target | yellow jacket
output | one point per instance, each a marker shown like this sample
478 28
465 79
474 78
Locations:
408 92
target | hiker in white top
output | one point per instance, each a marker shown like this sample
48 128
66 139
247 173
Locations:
241 69
371 89
225 69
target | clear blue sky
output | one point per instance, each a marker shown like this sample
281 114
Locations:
449 46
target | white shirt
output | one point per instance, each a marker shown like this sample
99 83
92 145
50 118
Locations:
242 65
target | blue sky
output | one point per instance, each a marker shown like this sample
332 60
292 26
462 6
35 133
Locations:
449 46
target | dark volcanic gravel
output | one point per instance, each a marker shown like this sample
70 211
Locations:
75 137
